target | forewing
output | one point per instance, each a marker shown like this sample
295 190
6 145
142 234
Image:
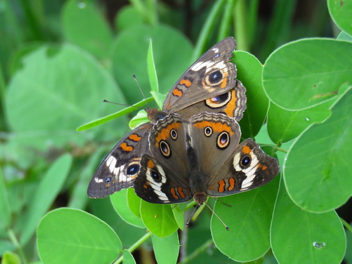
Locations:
211 75
120 167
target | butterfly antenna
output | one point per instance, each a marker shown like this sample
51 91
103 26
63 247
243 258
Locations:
137 107
135 78
227 228
189 220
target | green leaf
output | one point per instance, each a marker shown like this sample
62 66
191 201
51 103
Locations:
250 74
127 17
10 258
284 125
131 46
140 118
158 218
317 171
307 72
340 11
60 81
153 78
128 258
45 195
344 36
73 236
5 213
249 219
134 202
179 215
86 28
119 201
166 249
298 236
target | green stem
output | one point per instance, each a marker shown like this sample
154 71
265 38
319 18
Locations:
135 246
14 241
199 250
226 20
32 21
241 35
208 26
252 20
347 225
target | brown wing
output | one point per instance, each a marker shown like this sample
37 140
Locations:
213 137
157 183
211 75
231 103
247 168
120 167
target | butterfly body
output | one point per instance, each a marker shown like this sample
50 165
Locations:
191 147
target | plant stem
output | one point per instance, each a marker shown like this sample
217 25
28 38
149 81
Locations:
226 19
240 25
348 227
207 28
197 251
14 241
135 246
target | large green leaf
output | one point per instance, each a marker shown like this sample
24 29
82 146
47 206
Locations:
74 236
317 172
340 11
284 125
119 201
248 219
298 236
166 249
84 26
47 191
307 72
250 74
128 258
158 218
69 86
130 57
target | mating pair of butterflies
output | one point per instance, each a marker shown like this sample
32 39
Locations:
190 148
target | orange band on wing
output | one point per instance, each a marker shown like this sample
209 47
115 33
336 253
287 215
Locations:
126 147
150 164
179 189
135 137
187 83
217 127
224 81
177 92
221 186
173 192
246 150
165 132
232 184
231 105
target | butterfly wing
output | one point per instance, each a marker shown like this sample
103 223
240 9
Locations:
213 137
156 183
231 103
211 75
247 168
163 174
120 167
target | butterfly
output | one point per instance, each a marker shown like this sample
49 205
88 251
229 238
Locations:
191 147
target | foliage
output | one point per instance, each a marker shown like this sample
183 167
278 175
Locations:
59 60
